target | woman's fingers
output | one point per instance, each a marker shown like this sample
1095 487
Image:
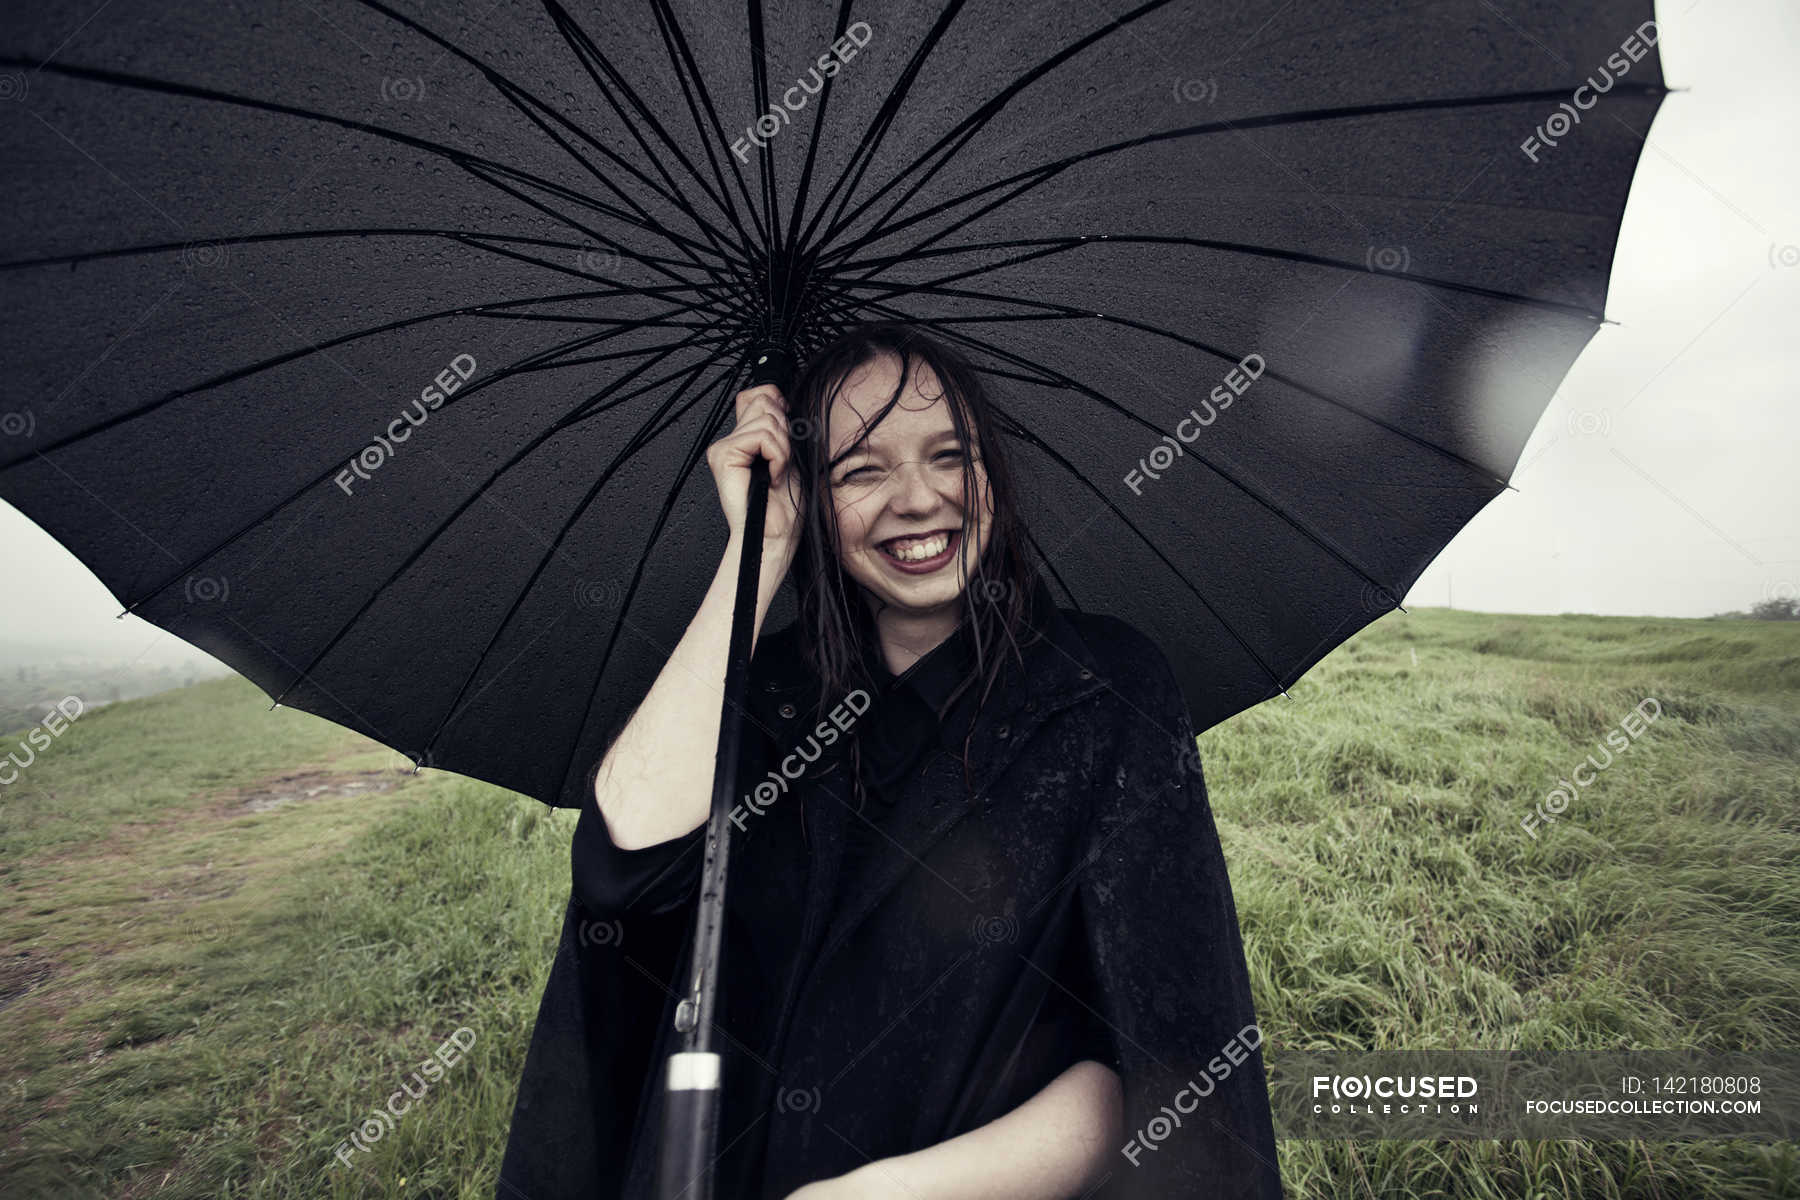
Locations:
761 429
764 433
766 394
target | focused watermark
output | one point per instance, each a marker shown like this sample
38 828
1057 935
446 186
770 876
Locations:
374 456
40 738
1403 1094
1567 116
404 89
1233 1055
19 423
1162 456
1557 801
1534 1095
795 98
837 723
1196 91
384 1118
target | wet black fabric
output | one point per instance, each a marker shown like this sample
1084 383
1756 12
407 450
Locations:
904 726
901 728
910 1005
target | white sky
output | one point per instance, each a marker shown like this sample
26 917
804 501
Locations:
1662 480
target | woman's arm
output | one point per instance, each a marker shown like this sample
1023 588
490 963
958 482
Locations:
655 782
1052 1147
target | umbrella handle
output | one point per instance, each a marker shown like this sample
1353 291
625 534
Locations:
690 1125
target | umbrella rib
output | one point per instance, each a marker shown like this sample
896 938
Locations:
468 162
244 239
644 435
542 363
1058 245
1032 176
971 124
511 90
588 53
1064 382
759 83
878 233
331 464
880 223
557 319
1065 312
870 142
566 421
1045 560
1018 430
330 343
681 57
708 293
481 172
718 247
790 241
869 275
488 172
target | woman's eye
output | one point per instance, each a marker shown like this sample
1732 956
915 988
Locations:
949 456
853 475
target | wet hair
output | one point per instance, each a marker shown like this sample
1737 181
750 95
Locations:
837 629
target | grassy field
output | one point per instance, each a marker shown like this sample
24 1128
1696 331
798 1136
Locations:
226 934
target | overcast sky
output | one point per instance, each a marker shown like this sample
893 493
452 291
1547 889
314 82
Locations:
1662 479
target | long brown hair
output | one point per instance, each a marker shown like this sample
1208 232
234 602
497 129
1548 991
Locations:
837 628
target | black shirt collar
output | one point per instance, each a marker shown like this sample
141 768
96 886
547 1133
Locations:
934 676
903 724
1059 669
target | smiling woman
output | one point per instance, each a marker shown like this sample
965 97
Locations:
893 436
943 969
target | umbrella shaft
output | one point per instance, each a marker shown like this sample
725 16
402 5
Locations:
690 1116
690 1128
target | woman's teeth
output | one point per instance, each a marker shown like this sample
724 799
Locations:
917 549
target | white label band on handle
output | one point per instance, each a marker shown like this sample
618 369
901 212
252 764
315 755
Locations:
693 1072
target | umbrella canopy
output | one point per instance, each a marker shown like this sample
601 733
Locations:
374 349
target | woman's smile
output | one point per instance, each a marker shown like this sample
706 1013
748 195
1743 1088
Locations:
921 554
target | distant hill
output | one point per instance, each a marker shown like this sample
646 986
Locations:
29 689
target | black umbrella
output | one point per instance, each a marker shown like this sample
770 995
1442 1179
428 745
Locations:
373 349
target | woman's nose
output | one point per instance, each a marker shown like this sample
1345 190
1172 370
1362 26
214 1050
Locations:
912 488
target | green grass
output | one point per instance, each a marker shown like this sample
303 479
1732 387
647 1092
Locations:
197 999
232 992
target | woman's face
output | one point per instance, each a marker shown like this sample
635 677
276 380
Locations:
898 493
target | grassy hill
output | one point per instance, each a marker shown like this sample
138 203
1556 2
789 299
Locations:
227 933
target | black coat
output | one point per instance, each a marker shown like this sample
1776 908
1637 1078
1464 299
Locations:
906 1018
